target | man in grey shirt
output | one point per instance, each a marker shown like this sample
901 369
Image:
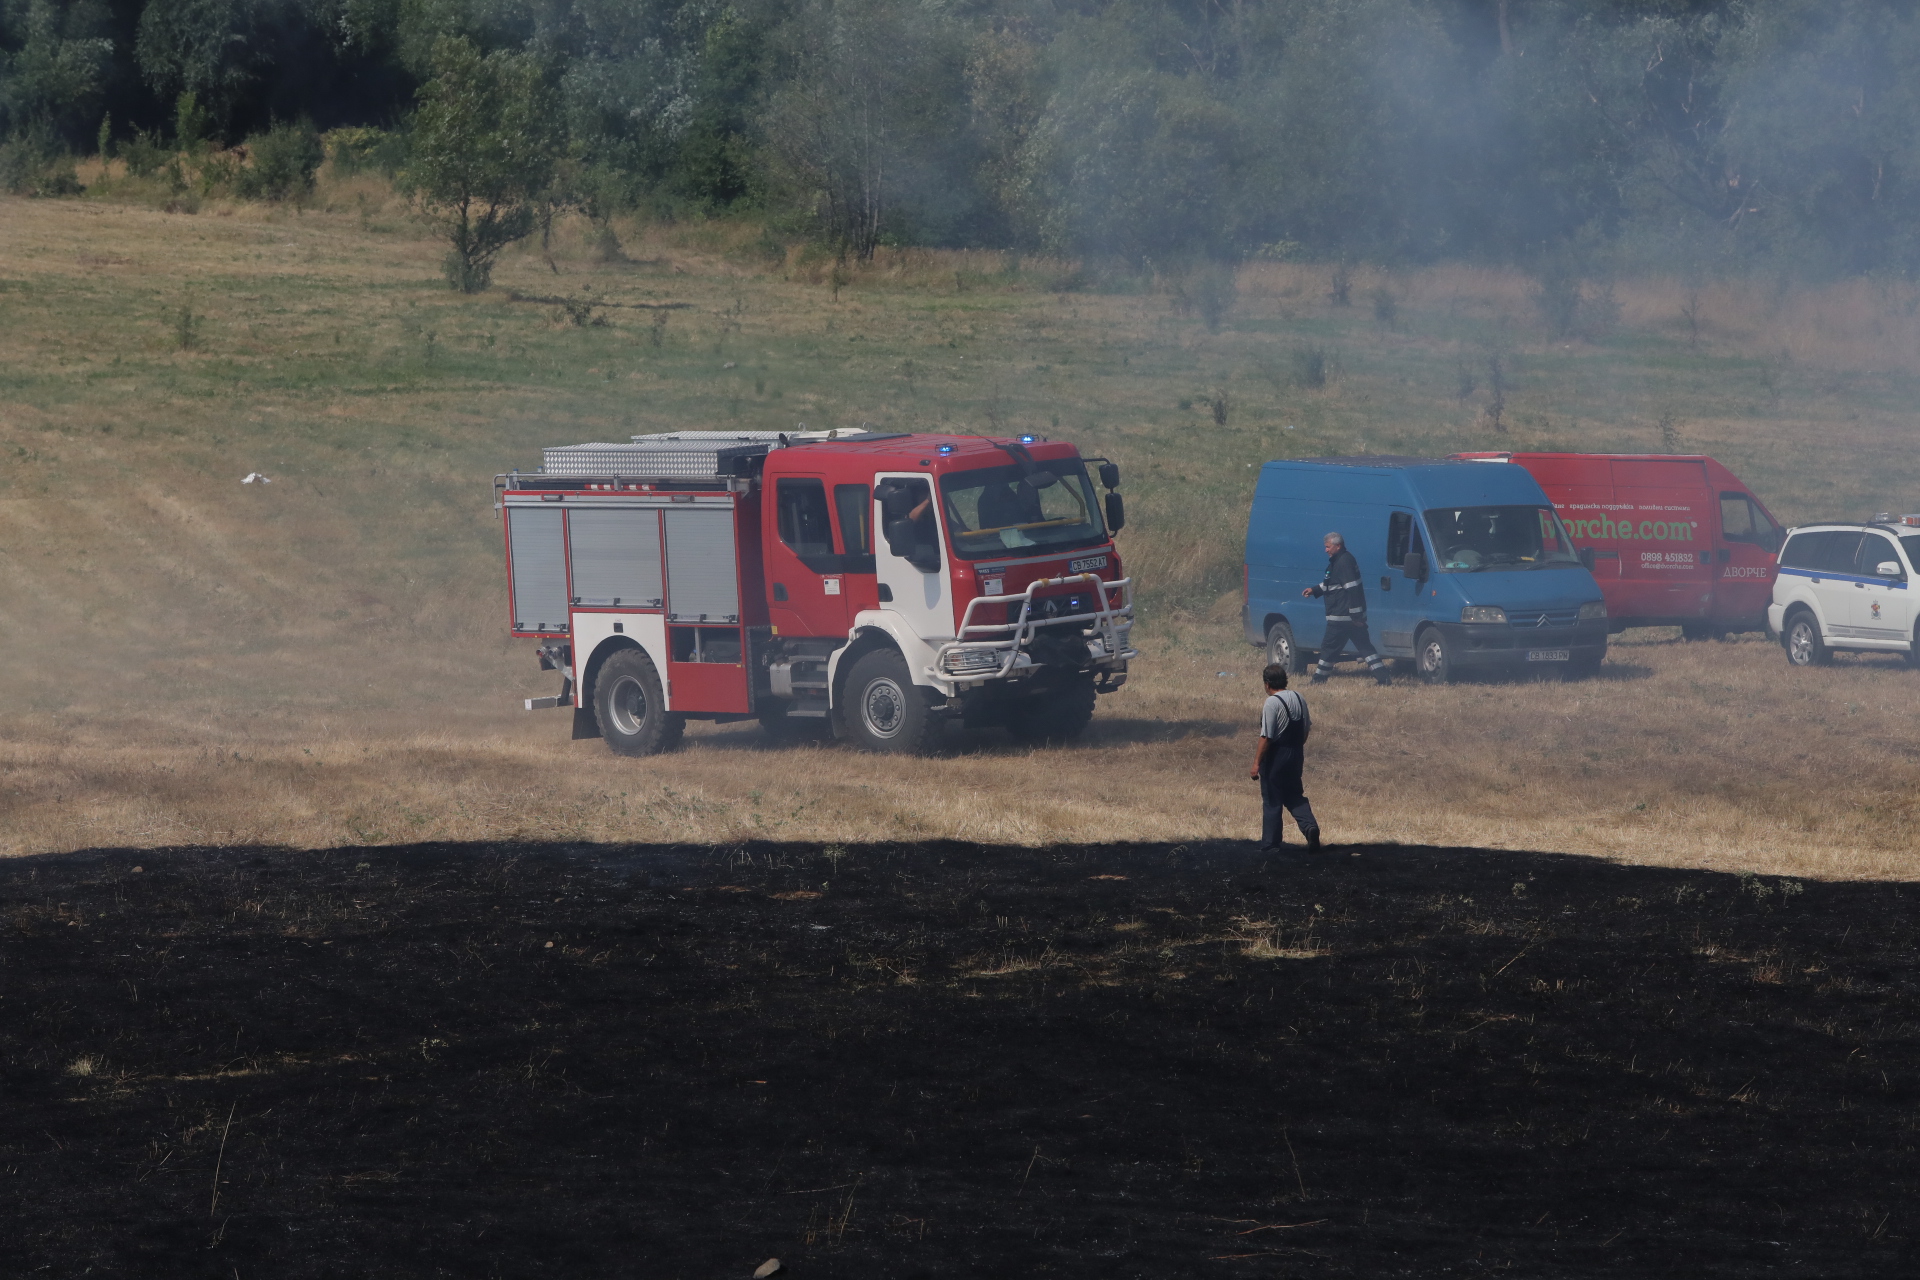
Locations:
1284 726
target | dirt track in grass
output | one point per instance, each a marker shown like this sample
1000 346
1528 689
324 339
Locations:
953 1061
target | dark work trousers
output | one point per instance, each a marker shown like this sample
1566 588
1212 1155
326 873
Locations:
1339 635
1280 792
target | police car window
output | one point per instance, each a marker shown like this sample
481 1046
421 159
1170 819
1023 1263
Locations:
1803 550
1910 543
802 510
1481 539
1836 553
1875 550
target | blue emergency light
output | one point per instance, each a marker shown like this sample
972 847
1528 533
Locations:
946 448
1026 439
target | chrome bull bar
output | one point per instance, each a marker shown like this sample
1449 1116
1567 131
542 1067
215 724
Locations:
1111 624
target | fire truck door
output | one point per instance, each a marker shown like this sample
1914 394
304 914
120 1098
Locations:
806 580
911 556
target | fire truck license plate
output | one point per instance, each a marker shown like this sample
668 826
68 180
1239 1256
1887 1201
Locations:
1091 562
1548 655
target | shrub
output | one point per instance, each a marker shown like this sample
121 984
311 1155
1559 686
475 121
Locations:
1310 367
284 160
28 170
144 154
363 150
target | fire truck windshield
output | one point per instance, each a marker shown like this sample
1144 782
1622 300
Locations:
995 510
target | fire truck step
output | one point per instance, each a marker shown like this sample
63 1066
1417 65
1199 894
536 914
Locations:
547 704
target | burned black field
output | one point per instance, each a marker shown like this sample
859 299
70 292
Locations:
943 1060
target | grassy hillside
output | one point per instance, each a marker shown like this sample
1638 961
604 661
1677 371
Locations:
323 658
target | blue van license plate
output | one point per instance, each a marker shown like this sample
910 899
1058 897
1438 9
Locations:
1549 655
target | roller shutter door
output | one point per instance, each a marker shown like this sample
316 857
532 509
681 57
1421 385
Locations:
538 548
702 577
616 558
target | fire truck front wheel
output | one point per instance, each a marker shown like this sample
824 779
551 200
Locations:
630 708
885 710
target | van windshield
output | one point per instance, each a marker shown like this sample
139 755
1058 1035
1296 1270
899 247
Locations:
994 510
1477 539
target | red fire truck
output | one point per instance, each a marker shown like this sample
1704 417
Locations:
1675 539
863 583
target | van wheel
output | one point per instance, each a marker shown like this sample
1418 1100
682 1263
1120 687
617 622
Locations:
1058 715
630 708
1433 657
1583 668
1692 631
1282 650
1804 645
885 710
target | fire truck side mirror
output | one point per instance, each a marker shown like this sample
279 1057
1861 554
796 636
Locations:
1110 475
1116 513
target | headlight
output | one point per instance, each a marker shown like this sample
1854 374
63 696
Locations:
1483 613
969 661
1593 609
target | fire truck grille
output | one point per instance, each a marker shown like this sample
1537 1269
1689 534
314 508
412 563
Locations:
1047 608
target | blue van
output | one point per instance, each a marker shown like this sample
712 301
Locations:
1467 567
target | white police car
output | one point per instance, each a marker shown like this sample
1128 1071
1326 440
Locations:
1848 587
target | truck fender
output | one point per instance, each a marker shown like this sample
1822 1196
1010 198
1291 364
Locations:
869 635
584 724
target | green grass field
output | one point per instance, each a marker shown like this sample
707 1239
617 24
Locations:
181 639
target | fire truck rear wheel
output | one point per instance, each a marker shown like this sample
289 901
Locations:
630 708
885 711
1058 715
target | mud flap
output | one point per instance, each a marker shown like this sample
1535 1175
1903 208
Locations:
584 724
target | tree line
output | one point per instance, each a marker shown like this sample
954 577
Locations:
1699 134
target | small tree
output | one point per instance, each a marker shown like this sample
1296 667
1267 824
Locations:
485 143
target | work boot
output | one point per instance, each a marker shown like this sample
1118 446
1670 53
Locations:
1313 840
1319 677
1382 678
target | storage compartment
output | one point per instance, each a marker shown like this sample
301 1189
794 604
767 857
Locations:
616 557
703 572
537 564
704 644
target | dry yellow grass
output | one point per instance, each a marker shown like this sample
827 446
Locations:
321 661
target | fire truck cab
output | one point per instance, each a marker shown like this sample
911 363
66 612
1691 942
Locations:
862 583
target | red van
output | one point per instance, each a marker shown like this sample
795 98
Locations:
1676 539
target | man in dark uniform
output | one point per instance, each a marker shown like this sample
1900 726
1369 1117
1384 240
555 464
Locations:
1346 603
1284 726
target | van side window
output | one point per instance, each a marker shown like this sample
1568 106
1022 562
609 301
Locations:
1399 535
1742 521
